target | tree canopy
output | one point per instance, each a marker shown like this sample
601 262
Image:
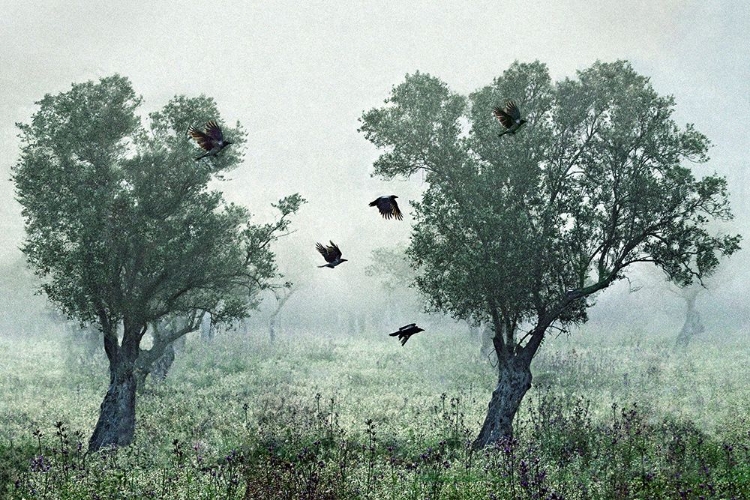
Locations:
120 223
119 217
518 230
594 183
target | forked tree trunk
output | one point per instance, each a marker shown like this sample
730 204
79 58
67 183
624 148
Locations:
514 363
514 381
158 360
116 425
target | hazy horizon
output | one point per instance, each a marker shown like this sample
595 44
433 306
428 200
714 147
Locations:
299 75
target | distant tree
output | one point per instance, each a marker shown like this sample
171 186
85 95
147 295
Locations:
392 267
282 295
518 231
123 230
166 333
693 325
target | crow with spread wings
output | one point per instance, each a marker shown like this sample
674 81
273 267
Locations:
331 254
388 207
212 140
510 118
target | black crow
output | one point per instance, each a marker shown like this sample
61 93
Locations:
510 118
405 332
331 254
212 140
388 207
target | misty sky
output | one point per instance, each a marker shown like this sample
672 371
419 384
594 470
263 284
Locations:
298 75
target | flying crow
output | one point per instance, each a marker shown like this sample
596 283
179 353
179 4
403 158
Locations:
388 207
405 332
212 140
510 118
331 254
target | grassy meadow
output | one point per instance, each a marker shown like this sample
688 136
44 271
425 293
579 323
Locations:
349 417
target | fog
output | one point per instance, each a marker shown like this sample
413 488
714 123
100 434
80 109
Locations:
298 75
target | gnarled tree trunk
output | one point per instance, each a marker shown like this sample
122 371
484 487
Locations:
514 375
116 424
514 381
486 349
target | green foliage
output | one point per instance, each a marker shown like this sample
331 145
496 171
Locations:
120 223
522 228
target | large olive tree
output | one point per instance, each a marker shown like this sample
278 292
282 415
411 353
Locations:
125 233
518 231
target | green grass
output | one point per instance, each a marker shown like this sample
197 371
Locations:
345 417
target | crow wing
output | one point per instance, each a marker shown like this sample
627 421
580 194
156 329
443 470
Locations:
414 329
203 140
504 118
508 116
330 253
388 207
214 131
209 139
408 330
324 252
333 250
394 211
512 110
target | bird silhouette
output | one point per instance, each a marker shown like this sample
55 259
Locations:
212 140
510 118
331 254
405 332
388 207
